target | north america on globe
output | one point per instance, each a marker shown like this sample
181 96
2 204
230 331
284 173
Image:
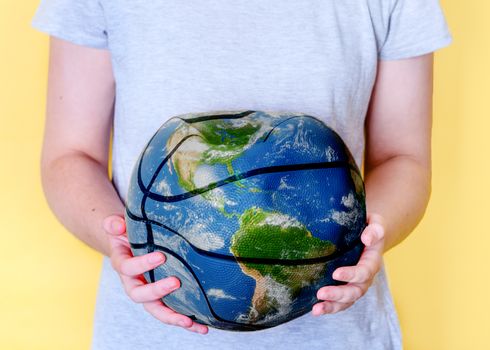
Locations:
216 142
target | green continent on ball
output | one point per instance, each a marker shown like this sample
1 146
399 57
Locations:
273 235
226 140
221 141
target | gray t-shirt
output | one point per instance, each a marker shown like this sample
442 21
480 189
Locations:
312 56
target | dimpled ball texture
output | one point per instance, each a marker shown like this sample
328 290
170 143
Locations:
254 210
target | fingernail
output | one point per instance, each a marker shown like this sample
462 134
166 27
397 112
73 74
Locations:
173 284
346 275
326 296
116 225
155 258
342 275
368 241
317 311
379 230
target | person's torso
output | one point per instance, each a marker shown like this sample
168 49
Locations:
174 57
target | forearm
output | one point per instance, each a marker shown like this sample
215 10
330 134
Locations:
399 190
80 194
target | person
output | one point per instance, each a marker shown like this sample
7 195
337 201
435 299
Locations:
364 67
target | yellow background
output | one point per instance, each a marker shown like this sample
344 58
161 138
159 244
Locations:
439 276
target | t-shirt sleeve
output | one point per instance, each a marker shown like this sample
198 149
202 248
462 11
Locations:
415 27
81 22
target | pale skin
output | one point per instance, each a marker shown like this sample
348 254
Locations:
74 169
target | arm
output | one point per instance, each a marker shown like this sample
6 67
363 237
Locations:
398 145
75 148
397 172
74 173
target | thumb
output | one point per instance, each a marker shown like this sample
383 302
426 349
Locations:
114 225
375 230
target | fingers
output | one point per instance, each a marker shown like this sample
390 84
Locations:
342 294
327 307
374 231
141 292
368 265
360 276
124 262
120 251
150 295
131 270
338 298
163 313
363 272
114 225
354 274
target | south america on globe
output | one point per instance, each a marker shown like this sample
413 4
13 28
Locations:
253 210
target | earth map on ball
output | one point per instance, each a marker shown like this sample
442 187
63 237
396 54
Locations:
202 194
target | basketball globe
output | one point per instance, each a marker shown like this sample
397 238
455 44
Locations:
253 210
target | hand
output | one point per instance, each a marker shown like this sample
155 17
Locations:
131 269
359 277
